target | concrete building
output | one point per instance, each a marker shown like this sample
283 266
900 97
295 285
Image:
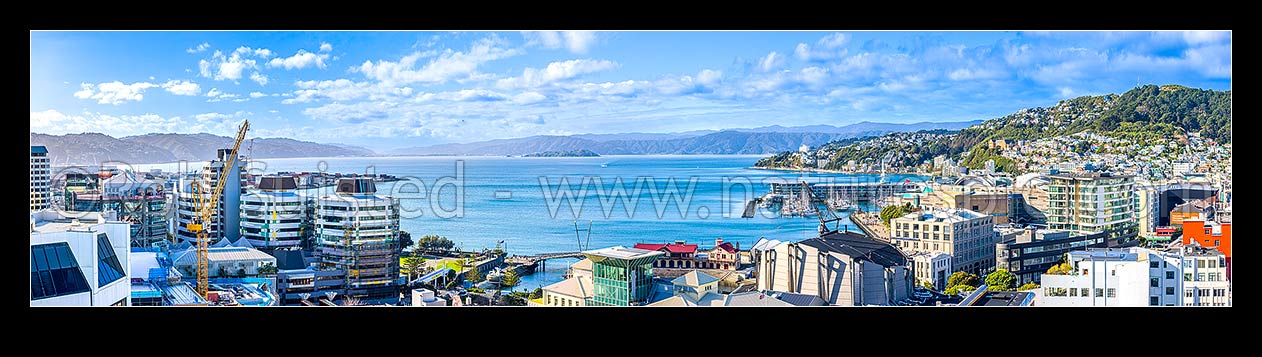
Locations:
275 216
425 297
1031 253
621 276
358 233
968 236
224 261
139 201
724 255
1116 277
41 176
1209 235
677 255
79 261
931 267
1092 203
1197 209
156 282
842 268
226 218
1205 280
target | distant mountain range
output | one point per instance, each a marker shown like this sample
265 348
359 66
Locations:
769 139
95 148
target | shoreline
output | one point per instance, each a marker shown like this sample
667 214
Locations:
835 171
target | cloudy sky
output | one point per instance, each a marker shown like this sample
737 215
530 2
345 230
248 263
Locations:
397 89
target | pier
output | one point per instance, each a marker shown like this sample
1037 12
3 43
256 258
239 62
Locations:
854 191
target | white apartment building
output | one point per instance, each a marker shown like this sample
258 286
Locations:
1204 277
1116 277
933 267
226 218
274 215
79 261
967 236
41 173
358 232
1092 203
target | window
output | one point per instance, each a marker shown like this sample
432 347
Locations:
1153 264
1170 291
1213 264
1216 243
1152 301
1200 263
1112 292
1153 282
1073 291
1187 276
1200 276
1099 292
1169 274
1187 293
55 272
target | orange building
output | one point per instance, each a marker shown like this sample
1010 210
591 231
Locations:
1211 235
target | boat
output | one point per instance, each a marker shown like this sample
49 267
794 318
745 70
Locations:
604 165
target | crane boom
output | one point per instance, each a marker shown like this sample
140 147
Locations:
205 209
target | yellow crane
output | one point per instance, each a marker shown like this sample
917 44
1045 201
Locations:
206 207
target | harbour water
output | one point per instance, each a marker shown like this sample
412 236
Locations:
504 200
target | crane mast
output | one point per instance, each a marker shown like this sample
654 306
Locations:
205 209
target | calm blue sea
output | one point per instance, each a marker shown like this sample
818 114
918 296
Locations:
503 200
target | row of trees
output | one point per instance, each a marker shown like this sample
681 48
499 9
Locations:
894 211
999 280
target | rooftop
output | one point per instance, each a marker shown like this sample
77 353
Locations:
222 254
858 246
1088 175
579 286
49 221
694 278
620 252
951 215
982 297
39 149
672 247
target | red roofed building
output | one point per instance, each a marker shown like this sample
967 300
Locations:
724 255
679 255
1209 235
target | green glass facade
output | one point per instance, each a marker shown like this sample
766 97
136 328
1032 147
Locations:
621 282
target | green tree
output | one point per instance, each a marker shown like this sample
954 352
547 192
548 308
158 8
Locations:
413 265
433 242
537 293
1028 286
510 279
1061 269
927 285
473 275
894 211
405 240
267 269
1001 280
958 289
962 278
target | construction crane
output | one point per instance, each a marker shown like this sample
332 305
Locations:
206 207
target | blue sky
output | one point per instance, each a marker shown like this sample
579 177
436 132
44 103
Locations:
387 90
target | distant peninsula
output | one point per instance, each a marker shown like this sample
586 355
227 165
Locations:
571 153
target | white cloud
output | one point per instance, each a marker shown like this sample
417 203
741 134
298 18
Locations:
198 48
827 48
182 87
257 95
350 114
325 47
529 98
114 93
770 62
344 90
1206 37
300 60
964 74
709 77
556 71
216 96
259 77
575 41
449 65
222 66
